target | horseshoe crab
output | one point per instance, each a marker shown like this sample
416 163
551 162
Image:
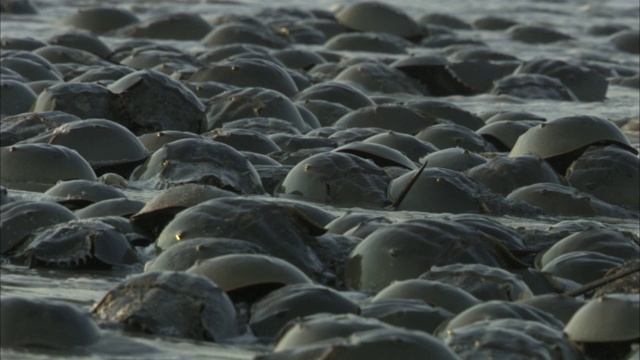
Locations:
618 325
93 140
446 112
184 255
248 73
406 313
94 19
481 281
275 310
244 140
374 42
584 83
533 86
161 209
254 33
536 34
407 249
452 135
76 194
32 69
181 109
561 306
56 325
77 243
379 154
102 74
605 241
84 100
504 134
443 190
560 200
267 126
20 218
434 293
175 26
322 178
494 310
582 266
457 159
434 74
249 277
250 103
609 173
121 206
626 40
17 98
397 118
503 175
199 161
385 343
319 327
491 22
411 147
23 164
527 340
378 78
148 303
337 92
265 223
544 139
379 17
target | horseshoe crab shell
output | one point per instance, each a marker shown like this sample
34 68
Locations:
273 311
336 92
38 167
379 154
549 140
393 343
161 209
560 200
617 317
319 327
23 126
533 86
79 243
407 249
503 175
249 276
504 134
93 139
100 20
323 178
17 98
75 194
148 302
181 109
184 255
457 159
397 118
585 84
123 207
20 218
174 26
379 17
434 293
527 340
611 174
28 322
411 147
452 135
279 228
250 103
606 241
483 282
199 161
433 72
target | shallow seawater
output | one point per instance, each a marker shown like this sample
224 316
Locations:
571 16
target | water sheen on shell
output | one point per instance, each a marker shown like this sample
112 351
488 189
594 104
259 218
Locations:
149 302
